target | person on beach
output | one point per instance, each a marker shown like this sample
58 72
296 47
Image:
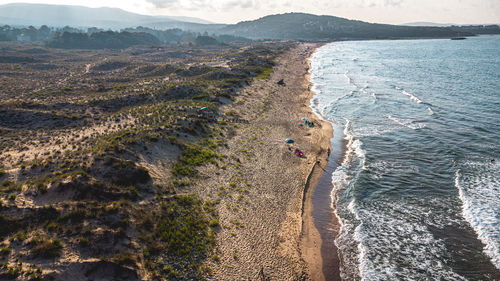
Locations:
328 152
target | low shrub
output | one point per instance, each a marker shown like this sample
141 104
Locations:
183 227
193 155
47 248
5 251
214 223
84 242
265 73
125 259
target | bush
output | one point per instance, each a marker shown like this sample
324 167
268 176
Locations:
170 271
84 242
5 251
265 74
184 227
46 248
125 258
12 272
8 186
215 258
20 236
214 223
52 227
193 155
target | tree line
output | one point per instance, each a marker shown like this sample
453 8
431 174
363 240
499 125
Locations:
95 38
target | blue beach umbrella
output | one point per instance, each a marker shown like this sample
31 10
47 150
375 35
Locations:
304 119
289 141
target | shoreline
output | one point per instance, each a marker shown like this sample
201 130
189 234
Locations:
266 240
272 234
311 243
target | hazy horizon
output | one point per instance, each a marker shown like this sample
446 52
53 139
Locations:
379 11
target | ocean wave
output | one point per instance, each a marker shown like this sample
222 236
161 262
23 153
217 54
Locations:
372 94
412 97
387 241
349 79
399 216
379 169
375 130
408 123
342 177
478 185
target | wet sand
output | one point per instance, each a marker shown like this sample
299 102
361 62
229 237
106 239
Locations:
320 225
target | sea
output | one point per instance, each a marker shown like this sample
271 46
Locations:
416 186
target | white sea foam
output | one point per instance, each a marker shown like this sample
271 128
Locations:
375 130
352 164
478 185
384 236
354 150
364 90
392 243
380 168
386 241
349 79
412 97
408 123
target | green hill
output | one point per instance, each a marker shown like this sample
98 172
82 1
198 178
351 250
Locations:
302 26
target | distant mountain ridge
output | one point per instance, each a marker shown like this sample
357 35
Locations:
424 23
289 26
300 26
80 16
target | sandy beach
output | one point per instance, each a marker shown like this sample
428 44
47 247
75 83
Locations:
239 141
268 238
257 194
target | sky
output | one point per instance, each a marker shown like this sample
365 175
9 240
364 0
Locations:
380 11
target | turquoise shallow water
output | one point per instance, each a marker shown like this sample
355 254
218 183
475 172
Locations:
418 193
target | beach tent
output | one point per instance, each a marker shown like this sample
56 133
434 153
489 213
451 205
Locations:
289 141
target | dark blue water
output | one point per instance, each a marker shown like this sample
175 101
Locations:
418 193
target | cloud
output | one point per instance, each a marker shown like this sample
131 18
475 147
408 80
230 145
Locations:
181 4
242 4
379 3
213 5
163 3
393 2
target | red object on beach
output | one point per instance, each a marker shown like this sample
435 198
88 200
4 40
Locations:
298 152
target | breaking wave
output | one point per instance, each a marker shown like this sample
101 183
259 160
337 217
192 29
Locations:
408 123
412 97
478 185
